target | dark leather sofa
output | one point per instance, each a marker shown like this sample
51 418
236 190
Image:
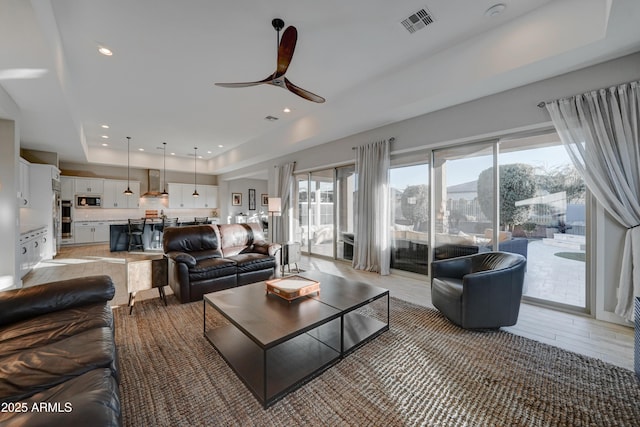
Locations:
479 291
209 258
57 352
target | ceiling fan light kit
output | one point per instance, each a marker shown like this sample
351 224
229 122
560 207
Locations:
286 47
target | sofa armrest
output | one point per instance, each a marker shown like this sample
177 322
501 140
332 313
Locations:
274 249
25 303
182 257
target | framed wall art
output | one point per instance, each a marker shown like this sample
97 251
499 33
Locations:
236 199
252 199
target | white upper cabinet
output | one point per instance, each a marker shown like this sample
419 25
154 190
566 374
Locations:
181 196
114 197
67 188
89 185
25 194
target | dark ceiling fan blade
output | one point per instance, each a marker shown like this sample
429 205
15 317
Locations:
302 92
285 50
246 84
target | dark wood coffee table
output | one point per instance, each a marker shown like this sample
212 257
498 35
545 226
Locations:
275 346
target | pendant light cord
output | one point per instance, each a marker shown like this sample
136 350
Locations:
195 164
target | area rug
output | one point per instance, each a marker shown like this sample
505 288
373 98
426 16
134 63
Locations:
423 371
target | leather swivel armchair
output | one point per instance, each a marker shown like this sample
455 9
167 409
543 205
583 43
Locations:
480 291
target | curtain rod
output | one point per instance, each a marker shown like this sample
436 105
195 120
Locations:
392 139
277 166
542 104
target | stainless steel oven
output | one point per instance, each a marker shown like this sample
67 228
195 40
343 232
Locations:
65 215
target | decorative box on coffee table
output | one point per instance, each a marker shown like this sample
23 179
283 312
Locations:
292 287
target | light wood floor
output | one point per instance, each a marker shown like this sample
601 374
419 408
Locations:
609 342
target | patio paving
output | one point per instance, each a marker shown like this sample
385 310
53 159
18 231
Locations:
554 278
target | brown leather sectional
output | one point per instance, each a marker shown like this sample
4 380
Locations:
208 258
58 363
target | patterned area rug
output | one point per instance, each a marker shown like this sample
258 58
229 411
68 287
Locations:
423 371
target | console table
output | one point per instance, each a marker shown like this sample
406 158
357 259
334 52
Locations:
146 272
290 254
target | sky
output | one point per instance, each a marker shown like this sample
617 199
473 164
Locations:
465 170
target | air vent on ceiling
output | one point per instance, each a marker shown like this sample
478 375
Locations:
271 118
418 20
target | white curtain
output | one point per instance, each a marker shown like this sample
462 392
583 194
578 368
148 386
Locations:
600 131
371 241
285 180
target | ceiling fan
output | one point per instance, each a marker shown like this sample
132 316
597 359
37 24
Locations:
286 47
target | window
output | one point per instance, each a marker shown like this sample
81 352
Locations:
409 228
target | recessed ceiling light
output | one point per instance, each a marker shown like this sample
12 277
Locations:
105 126
105 136
209 152
173 154
105 51
495 10
199 157
287 110
140 149
220 145
104 144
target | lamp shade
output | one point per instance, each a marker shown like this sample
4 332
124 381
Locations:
275 204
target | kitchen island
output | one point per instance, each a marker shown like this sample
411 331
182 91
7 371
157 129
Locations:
151 237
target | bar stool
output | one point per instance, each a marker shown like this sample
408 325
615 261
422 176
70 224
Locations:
199 220
136 229
166 222
156 235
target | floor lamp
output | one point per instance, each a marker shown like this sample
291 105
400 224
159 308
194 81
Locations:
275 206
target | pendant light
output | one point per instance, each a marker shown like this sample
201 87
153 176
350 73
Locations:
128 191
195 163
164 173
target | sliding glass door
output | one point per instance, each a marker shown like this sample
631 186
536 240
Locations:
314 206
464 199
550 215
344 208
519 195
409 228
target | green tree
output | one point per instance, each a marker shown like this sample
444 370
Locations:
414 204
564 178
517 182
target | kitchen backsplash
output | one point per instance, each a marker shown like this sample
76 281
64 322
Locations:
90 214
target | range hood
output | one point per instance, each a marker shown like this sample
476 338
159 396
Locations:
153 189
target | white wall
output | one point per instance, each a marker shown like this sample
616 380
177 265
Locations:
491 116
241 186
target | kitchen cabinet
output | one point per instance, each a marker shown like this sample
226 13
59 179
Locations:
91 232
31 249
114 197
67 189
181 196
208 197
89 185
25 194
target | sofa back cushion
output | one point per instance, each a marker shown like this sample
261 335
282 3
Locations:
239 238
201 241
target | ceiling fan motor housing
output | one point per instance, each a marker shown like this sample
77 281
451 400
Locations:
278 24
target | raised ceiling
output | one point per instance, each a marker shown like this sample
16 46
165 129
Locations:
159 84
